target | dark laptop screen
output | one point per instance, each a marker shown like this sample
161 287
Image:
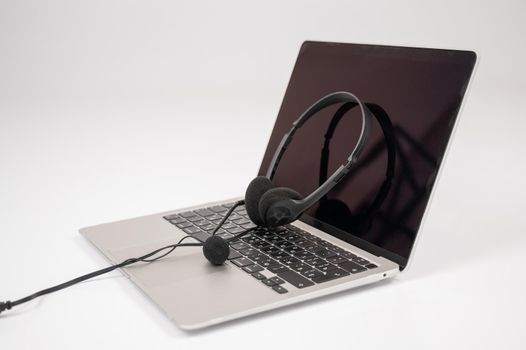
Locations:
421 91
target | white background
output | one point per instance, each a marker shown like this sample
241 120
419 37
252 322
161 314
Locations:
115 109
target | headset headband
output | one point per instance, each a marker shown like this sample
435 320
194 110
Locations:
390 143
323 189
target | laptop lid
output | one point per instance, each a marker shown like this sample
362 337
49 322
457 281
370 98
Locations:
421 91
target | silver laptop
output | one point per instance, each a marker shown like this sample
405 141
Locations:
349 238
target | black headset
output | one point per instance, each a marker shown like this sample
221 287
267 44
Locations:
266 204
336 211
271 206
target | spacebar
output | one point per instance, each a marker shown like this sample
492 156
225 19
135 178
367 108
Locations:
295 279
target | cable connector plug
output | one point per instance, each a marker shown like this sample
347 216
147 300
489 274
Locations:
5 306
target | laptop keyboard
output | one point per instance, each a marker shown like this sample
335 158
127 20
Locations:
289 253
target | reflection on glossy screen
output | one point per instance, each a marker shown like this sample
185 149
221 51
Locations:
421 91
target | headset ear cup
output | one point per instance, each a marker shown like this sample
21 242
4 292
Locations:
256 188
273 196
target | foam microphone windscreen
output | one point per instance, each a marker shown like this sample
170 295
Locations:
216 250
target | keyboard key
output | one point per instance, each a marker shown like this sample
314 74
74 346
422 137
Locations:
336 259
236 217
324 253
201 222
259 257
330 275
304 255
292 237
312 248
249 239
316 240
171 217
252 268
307 235
224 235
277 280
293 228
304 243
352 267
243 221
270 249
248 226
258 276
261 244
371 266
177 220
209 227
279 255
299 252
336 249
214 217
283 244
242 262
184 224
293 249
315 261
218 209
194 218
187 214
201 236
269 282
289 260
300 267
267 263
361 261
235 230
204 212
276 239
295 279
279 289
312 273
191 230
249 252
234 254
265 234
277 268
326 267
348 255
240 246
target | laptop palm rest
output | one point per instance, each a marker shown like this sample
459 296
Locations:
190 290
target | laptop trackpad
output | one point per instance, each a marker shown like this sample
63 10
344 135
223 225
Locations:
182 264
190 289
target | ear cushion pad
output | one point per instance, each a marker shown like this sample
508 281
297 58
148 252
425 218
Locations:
273 196
255 190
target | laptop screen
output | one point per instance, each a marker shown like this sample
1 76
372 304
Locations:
419 89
